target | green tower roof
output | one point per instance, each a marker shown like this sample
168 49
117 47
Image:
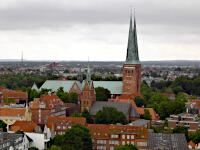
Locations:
132 56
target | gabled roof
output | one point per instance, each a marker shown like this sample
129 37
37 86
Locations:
15 94
49 101
25 126
115 87
104 131
52 120
10 112
34 87
56 84
123 107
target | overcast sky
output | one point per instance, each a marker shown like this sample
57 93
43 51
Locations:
98 29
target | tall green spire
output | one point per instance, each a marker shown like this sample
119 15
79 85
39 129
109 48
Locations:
132 49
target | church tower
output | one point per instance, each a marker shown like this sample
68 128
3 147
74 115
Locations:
132 65
88 96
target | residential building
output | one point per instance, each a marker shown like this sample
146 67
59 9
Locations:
58 125
193 107
45 106
40 135
38 140
24 126
107 137
184 119
12 141
10 115
13 96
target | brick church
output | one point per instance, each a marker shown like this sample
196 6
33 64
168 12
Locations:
130 85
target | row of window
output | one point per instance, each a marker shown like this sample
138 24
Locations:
100 147
128 137
123 136
63 127
127 142
85 102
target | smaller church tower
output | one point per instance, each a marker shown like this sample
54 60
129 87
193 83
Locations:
80 76
88 95
132 65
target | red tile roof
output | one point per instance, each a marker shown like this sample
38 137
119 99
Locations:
192 144
52 120
140 110
103 131
12 111
15 94
196 103
49 97
49 100
25 126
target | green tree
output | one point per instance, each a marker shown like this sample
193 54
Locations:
67 97
45 91
54 147
158 98
163 109
87 115
139 101
33 94
73 98
177 89
62 95
195 137
110 115
182 97
3 125
146 91
146 115
126 147
102 94
78 137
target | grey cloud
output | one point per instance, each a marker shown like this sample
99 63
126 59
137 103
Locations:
33 14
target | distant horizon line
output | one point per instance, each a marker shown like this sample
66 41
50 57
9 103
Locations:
48 60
